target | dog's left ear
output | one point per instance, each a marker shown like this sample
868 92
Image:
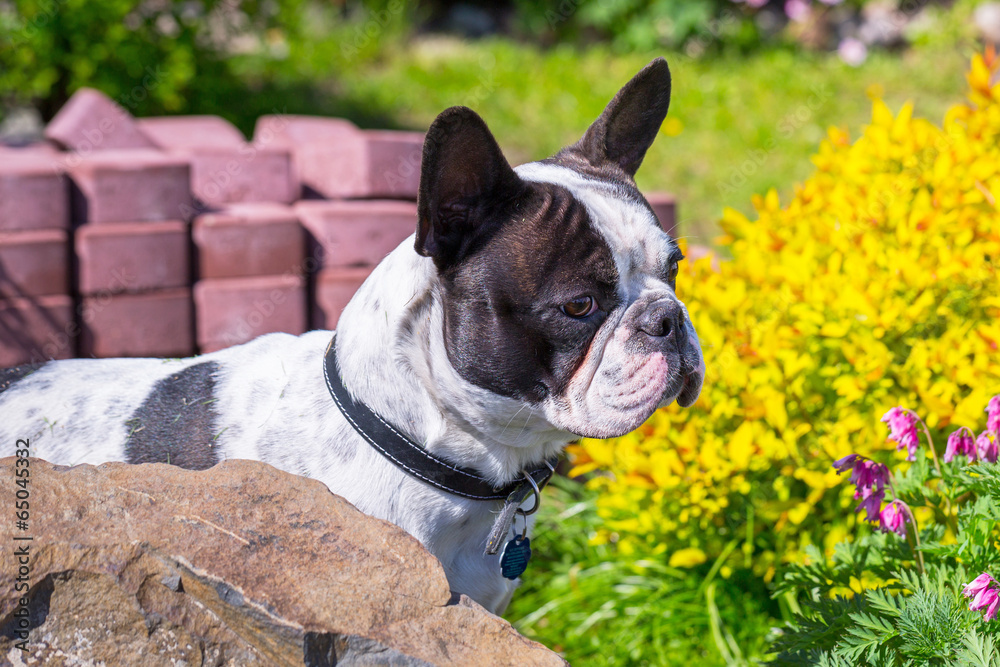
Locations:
464 181
628 126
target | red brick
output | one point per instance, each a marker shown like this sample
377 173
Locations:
332 158
36 329
394 163
34 193
191 132
334 288
665 207
132 257
353 233
40 148
249 240
153 324
235 310
328 154
34 263
130 186
91 121
225 169
245 174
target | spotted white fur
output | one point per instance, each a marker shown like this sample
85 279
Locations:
275 407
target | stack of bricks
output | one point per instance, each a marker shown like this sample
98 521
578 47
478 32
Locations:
130 237
36 309
248 244
171 236
362 189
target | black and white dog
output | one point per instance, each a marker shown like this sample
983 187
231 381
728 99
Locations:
533 305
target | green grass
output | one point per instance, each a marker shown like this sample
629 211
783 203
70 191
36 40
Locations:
748 122
598 607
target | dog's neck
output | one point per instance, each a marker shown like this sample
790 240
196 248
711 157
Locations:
415 386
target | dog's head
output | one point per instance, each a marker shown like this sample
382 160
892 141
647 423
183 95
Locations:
558 281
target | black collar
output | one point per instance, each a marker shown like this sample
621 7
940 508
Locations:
416 460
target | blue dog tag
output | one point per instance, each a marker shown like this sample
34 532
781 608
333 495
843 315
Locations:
515 556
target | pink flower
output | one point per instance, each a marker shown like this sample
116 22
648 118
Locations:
868 474
870 503
852 51
960 443
987 447
983 595
903 429
869 479
895 517
844 464
993 416
977 585
797 10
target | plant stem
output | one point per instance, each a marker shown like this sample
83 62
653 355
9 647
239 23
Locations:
915 541
937 466
930 440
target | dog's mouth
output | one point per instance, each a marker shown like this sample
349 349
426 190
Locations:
691 389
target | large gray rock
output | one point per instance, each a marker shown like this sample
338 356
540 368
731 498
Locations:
241 564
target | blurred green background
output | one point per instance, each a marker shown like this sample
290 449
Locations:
754 90
755 86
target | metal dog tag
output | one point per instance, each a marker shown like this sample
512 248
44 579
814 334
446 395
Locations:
515 556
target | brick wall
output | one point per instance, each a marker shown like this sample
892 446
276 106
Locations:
174 236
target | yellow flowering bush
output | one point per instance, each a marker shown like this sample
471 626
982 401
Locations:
875 286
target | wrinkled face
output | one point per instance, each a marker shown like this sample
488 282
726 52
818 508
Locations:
558 282
571 307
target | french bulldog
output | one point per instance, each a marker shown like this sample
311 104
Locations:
533 305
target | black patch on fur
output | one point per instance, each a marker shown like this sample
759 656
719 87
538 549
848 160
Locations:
504 329
176 422
8 376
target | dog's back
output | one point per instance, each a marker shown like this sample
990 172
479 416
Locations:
189 412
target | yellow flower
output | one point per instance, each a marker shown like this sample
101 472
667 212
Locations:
873 286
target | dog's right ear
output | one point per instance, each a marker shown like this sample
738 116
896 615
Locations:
463 177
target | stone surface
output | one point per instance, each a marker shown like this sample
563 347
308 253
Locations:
91 121
356 233
332 290
249 240
34 191
231 311
130 186
665 207
36 329
237 565
332 158
34 263
132 257
152 324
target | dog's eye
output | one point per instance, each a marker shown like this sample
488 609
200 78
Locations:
672 267
580 308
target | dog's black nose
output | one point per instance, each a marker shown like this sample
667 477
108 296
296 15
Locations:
661 318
